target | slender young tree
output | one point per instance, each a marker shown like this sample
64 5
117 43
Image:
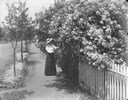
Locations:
12 31
22 22
16 22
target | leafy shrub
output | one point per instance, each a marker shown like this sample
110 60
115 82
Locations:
93 28
68 61
42 46
97 26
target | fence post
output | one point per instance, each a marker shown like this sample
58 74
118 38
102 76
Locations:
127 83
105 95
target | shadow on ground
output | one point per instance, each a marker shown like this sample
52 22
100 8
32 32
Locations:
62 82
32 53
16 95
32 63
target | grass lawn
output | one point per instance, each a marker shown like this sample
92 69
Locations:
6 56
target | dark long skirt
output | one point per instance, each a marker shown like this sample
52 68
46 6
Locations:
50 67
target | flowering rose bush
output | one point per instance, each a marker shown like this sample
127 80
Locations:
97 26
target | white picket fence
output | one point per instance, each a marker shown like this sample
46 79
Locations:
110 84
117 82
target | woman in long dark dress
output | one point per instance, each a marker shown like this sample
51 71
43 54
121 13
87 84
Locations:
50 66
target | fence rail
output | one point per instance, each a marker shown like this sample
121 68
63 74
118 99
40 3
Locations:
110 84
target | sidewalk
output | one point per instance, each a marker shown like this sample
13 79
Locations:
44 87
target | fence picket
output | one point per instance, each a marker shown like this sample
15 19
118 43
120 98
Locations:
116 89
96 83
99 81
85 77
114 86
122 69
123 91
126 89
119 69
116 68
102 85
108 88
126 71
120 87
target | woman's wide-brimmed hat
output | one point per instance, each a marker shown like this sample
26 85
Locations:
49 40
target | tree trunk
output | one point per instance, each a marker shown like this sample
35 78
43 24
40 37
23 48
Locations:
14 51
22 51
26 45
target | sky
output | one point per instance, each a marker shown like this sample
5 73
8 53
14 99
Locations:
34 6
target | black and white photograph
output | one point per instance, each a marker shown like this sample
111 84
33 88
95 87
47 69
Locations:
63 49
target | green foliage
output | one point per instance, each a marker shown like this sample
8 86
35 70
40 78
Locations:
29 33
17 21
1 33
95 27
68 60
44 18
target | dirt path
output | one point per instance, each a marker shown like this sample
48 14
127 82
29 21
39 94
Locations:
41 86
